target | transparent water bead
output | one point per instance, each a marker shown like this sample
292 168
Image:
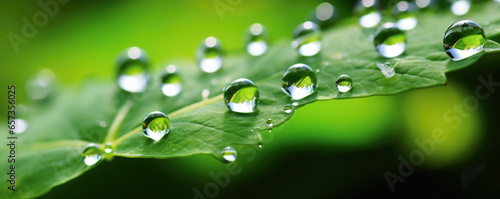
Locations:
229 154
171 81
256 40
269 122
368 12
299 81
463 39
344 83
40 87
387 69
460 7
287 108
241 96
156 125
92 154
132 70
209 55
108 148
306 39
405 12
389 40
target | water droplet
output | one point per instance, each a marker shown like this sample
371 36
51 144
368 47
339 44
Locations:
229 154
256 40
102 123
92 154
287 108
40 87
214 82
132 70
425 3
299 81
20 126
171 81
387 69
317 70
270 130
241 96
108 149
405 12
260 146
344 83
389 40
306 39
209 55
460 7
325 15
295 103
369 13
156 125
269 123
205 93
463 39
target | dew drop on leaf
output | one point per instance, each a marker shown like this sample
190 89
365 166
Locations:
256 39
387 69
229 154
156 125
405 13
171 81
344 83
241 96
299 81
368 12
269 122
389 40
306 39
287 108
92 154
463 39
132 70
108 148
209 55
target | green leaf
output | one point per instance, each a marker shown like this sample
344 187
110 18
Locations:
59 129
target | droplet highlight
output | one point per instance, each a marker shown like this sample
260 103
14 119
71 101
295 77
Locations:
344 83
463 39
229 154
405 13
368 12
299 81
156 125
269 122
256 40
241 96
132 70
209 55
287 109
389 40
171 81
306 39
460 7
92 154
108 148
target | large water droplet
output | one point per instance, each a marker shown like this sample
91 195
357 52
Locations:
209 55
460 7
344 83
405 12
287 108
299 81
132 70
389 40
369 13
256 40
387 69
156 125
463 39
92 154
241 96
20 126
306 39
41 86
108 148
229 154
171 81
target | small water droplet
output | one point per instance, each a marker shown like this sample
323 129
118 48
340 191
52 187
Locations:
214 82
295 103
269 123
171 81
463 39
317 70
389 40
156 125
209 55
20 126
41 86
241 96
229 154
256 39
369 13
270 130
405 12
344 83
387 69
260 146
108 149
460 7
92 154
132 70
205 93
299 81
306 39
287 108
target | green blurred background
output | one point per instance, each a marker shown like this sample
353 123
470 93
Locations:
338 148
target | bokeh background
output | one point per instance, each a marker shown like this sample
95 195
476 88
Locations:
337 148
